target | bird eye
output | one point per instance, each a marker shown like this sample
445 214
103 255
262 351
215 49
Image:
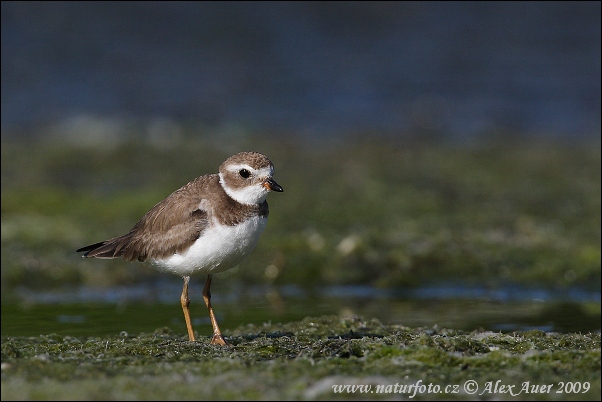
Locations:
244 173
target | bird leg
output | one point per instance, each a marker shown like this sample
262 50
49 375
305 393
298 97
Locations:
217 339
185 303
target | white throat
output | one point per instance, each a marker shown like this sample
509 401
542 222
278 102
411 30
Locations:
254 194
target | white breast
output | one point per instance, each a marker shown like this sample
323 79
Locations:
219 248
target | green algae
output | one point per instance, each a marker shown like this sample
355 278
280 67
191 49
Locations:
371 212
297 360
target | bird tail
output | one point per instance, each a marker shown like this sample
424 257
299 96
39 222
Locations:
112 248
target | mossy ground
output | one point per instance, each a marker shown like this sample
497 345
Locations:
372 211
301 360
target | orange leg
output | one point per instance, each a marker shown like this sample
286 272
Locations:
217 339
185 303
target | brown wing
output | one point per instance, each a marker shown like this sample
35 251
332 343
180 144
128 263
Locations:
170 226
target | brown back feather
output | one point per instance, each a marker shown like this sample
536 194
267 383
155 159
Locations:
175 223
170 226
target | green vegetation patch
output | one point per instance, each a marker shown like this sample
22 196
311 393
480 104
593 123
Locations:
307 359
372 211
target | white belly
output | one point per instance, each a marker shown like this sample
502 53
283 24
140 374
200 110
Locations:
219 248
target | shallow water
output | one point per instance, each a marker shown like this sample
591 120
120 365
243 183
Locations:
459 68
142 308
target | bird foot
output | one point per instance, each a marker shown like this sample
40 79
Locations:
218 339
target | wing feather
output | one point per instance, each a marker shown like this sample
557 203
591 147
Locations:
169 227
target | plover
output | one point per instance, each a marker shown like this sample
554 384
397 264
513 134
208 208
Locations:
207 226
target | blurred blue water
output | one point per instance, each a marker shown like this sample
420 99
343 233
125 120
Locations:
453 70
163 291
